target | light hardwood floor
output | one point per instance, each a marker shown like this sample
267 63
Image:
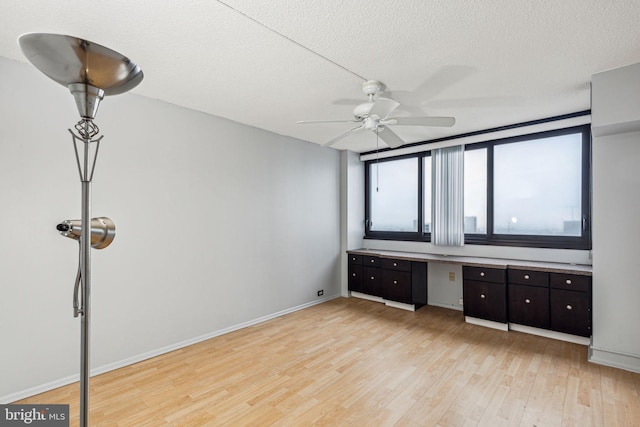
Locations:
351 362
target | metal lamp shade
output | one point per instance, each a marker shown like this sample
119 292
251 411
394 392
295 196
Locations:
89 70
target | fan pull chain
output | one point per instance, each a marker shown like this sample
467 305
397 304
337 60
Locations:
377 162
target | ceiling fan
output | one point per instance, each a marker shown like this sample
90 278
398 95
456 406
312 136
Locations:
374 114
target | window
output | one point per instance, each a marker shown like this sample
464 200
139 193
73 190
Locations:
537 187
475 191
393 196
531 190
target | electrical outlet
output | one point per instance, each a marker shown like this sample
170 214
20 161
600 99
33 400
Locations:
452 276
321 292
460 301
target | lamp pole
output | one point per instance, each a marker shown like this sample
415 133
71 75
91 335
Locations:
90 71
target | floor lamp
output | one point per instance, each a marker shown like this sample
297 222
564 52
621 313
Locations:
90 71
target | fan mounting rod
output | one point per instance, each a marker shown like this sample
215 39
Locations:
371 88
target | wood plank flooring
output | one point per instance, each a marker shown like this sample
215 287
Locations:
351 362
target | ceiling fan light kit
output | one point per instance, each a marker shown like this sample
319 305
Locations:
374 115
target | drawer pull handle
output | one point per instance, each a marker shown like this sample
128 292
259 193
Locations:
526 277
568 281
395 264
372 278
373 260
569 307
482 274
395 282
482 296
353 274
528 301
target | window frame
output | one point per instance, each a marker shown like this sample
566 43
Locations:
582 242
395 235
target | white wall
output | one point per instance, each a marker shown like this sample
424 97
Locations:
218 225
352 207
616 217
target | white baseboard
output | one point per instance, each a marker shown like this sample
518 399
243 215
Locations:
389 303
367 297
400 305
628 362
32 391
487 323
449 306
550 334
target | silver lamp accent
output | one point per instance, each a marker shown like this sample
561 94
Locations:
90 72
103 231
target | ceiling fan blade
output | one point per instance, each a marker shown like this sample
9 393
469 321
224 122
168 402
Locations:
303 122
422 121
382 107
390 137
337 138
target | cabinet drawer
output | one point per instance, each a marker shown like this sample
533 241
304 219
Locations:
355 259
482 274
370 261
529 277
396 286
571 312
485 300
571 282
396 264
355 277
529 305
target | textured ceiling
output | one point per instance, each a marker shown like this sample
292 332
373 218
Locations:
488 63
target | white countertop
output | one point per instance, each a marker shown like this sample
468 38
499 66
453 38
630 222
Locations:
501 263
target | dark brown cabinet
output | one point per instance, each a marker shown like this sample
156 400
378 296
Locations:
371 281
529 305
519 294
355 273
529 298
484 293
371 276
557 301
365 274
396 280
570 309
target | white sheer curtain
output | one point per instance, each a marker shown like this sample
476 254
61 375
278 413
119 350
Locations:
447 182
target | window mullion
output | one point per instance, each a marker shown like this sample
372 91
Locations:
490 192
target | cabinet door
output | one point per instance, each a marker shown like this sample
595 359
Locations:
396 286
485 300
571 312
529 305
355 277
371 281
419 283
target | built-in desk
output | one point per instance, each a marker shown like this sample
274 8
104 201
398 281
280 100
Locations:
501 263
529 296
